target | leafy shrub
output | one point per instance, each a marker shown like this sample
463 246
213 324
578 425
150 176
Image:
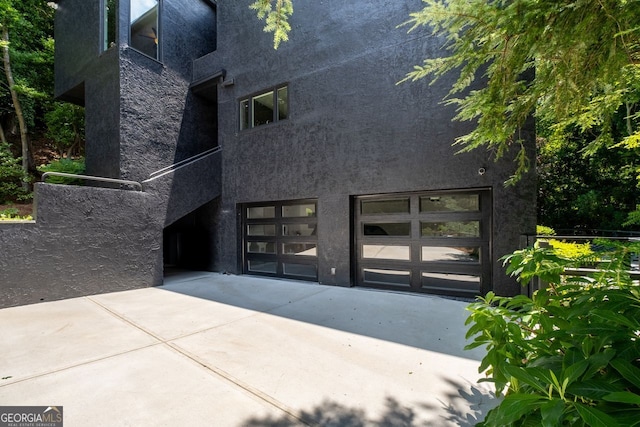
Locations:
571 250
65 165
543 230
569 355
12 214
11 176
65 127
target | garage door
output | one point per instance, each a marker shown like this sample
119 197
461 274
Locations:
432 242
280 239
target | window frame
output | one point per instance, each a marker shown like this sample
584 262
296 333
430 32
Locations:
158 32
105 24
249 123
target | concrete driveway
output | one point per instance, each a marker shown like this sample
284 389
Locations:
208 349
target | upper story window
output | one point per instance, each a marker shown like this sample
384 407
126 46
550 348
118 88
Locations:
265 107
108 24
144 27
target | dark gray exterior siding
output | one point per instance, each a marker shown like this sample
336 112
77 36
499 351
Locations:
351 130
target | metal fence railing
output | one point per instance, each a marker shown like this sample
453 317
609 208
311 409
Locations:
634 261
123 182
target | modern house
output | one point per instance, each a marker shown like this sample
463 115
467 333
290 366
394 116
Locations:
308 162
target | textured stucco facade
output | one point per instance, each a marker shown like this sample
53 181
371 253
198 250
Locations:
350 131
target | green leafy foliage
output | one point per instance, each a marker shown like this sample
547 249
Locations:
572 250
65 127
543 230
276 18
11 176
571 63
586 188
12 214
568 355
65 165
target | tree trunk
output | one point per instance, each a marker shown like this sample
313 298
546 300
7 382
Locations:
26 153
3 138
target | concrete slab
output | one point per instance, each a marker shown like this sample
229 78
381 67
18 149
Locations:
211 349
195 302
43 338
154 386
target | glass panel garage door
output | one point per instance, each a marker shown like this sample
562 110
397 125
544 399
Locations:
435 242
280 239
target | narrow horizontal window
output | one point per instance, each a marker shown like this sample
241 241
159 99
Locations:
263 266
298 229
386 252
387 229
261 230
463 283
452 229
299 211
303 270
259 212
300 249
450 203
372 207
460 254
386 277
261 247
264 108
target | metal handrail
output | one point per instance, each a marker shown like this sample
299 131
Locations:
135 184
180 164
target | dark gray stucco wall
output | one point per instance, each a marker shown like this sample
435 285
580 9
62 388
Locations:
85 241
102 117
351 130
161 121
77 35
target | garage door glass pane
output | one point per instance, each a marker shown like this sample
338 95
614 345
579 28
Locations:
298 229
450 229
390 206
451 282
387 229
304 270
386 252
262 266
298 211
386 277
259 212
305 249
261 230
451 254
450 203
261 247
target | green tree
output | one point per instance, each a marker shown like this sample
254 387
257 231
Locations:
11 176
65 127
571 63
585 191
26 27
